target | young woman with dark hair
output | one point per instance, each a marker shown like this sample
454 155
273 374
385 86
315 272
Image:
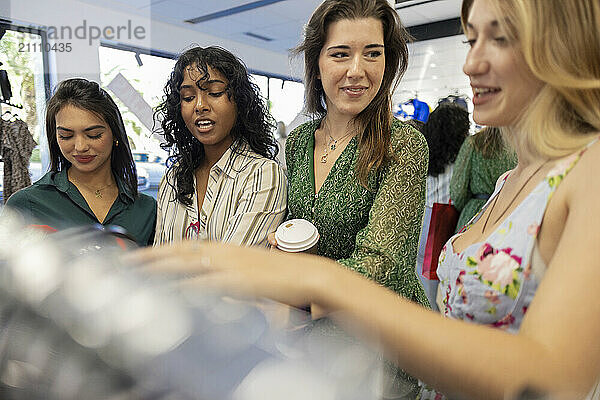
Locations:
92 176
223 184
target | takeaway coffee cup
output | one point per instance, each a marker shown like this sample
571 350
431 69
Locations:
297 235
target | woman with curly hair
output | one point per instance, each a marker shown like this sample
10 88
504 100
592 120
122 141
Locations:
223 183
445 131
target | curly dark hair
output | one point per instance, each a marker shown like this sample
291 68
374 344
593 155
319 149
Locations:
445 131
88 95
253 124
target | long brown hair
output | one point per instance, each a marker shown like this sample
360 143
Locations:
375 121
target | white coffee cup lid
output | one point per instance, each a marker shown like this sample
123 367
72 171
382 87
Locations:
296 235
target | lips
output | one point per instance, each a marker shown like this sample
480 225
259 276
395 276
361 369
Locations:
204 124
84 159
354 91
481 94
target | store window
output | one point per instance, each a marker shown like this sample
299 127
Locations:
285 98
136 82
24 88
22 57
136 78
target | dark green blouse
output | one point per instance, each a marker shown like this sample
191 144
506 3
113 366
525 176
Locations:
374 232
55 201
474 177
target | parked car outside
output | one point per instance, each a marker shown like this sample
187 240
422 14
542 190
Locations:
143 179
153 163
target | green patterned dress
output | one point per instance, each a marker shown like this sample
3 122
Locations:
374 232
474 177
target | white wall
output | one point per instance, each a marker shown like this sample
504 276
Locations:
83 60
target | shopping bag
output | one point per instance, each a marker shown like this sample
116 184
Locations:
442 224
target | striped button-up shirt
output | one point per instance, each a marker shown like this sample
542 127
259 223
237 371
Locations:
245 200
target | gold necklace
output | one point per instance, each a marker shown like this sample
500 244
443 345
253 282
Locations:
332 143
97 192
512 200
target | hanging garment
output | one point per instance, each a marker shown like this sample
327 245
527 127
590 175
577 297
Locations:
420 113
16 145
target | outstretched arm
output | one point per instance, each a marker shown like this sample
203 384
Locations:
556 350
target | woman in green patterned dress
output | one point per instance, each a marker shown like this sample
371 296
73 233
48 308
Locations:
481 160
354 171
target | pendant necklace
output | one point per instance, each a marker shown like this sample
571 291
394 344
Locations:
97 192
332 143
512 200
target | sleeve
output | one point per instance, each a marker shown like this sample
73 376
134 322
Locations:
160 203
459 183
261 208
386 249
154 211
289 150
20 202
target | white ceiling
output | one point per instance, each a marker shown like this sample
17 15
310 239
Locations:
435 66
282 21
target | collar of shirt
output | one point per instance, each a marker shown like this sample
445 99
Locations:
61 181
235 159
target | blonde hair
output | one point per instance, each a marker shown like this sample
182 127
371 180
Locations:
560 43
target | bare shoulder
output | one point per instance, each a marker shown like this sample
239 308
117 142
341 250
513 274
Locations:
583 181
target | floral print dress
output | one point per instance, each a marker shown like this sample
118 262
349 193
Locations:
492 282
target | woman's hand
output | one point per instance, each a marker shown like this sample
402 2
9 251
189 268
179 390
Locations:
272 241
288 278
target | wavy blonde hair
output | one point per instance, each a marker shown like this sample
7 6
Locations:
560 43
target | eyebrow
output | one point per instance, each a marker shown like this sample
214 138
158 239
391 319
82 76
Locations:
208 82
346 47
89 128
494 24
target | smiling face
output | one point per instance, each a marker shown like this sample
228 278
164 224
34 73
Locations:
208 112
503 85
351 65
84 139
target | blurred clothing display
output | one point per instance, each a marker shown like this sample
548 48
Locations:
16 145
55 201
445 131
245 200
420 110
460 101
475 176
438 187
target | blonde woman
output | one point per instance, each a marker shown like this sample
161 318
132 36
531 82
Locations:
519 302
